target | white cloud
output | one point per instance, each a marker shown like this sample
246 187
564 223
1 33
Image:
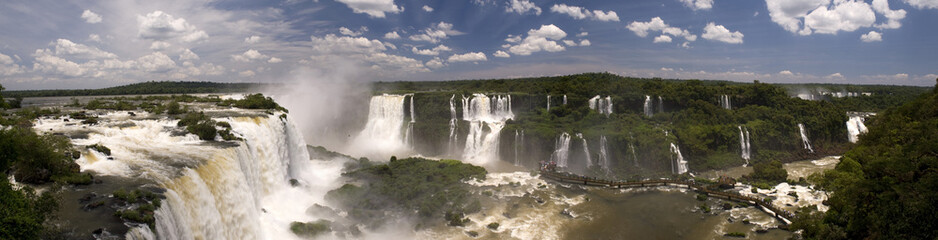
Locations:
685 45
349 32
513 39
389 62
161 26
94 37
431 52
364 51
541 39
719 33
698 4
786 72
585 42
872 36
846 16
835 76
335 44
583 34
522 6
569 43
921 4
90 17
392 35
662 39
374 8
435 33
188 55
427 8
46 62
468 57
501 54
246 73
667 69
250 56
155 62
583 13
655 25
786 13
435 63
65 47
252 39
8 66
274 60
159 45
893 16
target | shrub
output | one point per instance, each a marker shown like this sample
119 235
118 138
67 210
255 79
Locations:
310 229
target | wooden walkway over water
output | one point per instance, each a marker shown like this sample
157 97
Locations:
767 206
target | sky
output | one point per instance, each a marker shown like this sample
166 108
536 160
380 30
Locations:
54 44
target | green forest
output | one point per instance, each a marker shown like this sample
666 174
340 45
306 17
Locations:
150 87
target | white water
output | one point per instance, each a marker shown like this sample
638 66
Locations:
725 102
483 111
804 138
649 111
855 127
680 166
586 150
744 147
603 105
383 135
409 138
603 155
517 145
561 150
548 103
660 104
565 99
452 124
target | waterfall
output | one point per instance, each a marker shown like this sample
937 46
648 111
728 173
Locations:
725 102
632 147
409 136
804 138
586 150
382 135
678 160
561 150
744 150
660 105
649 111
603 105
565 99
517 142
855 127
492 112
452 124
548 103
603 155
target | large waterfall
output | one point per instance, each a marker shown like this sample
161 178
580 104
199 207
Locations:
649 111
383 134
561 150
409 135
855 127
452 124
586 150
725 102
519 145
744 147
483 111
603 155
804 138
603 105
679 165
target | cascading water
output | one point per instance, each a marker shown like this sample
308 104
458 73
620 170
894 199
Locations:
744 147
452 124
586 150
855 127
725 102
603 155
383 133
660 105
804 138
517 143
679 166
561 150
603 105
565 99
409 136
632 147
548 103
482 148
649 111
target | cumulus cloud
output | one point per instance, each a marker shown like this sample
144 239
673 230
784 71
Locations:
662 39
583 13
893 17
922 4
698 4
872 36
335 44
657 25
250 56
90 17
374 8
585 42
583 34
160 26
392 35
8 66
427 8
835 76
252 39
159 45
432 51
435 63
155 62
501 54
188 55
65 47
246 73
364 51
435 33
719 33
94 37
542 39
349 32
569 43
786 72
806 17
468 57
522 6
46 62
846 16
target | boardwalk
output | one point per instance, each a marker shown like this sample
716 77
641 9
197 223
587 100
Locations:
767 206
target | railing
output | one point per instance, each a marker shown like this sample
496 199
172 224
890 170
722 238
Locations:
767 206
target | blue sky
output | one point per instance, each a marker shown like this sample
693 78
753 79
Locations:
90 44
